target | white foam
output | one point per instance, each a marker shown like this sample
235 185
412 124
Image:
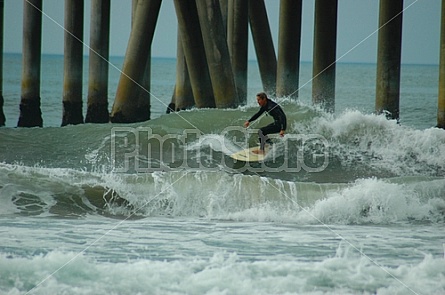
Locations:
376 201
374 141
215 142
220 273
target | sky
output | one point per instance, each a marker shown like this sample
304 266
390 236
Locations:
357 29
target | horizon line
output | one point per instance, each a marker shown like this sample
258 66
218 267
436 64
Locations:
249 60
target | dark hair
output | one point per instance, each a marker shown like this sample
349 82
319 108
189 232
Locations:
262 95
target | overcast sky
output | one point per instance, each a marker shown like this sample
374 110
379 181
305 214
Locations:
357 24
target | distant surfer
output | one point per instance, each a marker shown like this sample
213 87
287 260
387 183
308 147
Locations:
273 109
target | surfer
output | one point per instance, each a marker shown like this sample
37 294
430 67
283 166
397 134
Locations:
273 109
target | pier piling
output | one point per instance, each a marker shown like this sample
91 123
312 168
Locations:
289 39
144 101
2 14
264 48
224 8
324 57
126 107
217 53
194 52
389 58
30 113
237 37
183 93
441 98
97 109
73 63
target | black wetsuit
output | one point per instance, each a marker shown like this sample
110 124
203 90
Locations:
273 109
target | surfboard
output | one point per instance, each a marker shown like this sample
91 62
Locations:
248 155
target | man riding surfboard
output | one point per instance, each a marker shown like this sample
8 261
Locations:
273 109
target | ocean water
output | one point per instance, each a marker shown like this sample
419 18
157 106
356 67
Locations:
346 203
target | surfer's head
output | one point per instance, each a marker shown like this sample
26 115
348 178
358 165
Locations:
261 98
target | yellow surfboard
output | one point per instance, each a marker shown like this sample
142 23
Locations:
248 155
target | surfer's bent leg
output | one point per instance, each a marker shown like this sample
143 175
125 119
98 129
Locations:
263 138
262 133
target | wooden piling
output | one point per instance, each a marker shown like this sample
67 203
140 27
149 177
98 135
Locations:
171 108
441 98
389 58
325 48
264 48
289 39
237 40
30 113
144 101
2 14
73 63
183 94
126 104
193 46
97 109
217 53
224 7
